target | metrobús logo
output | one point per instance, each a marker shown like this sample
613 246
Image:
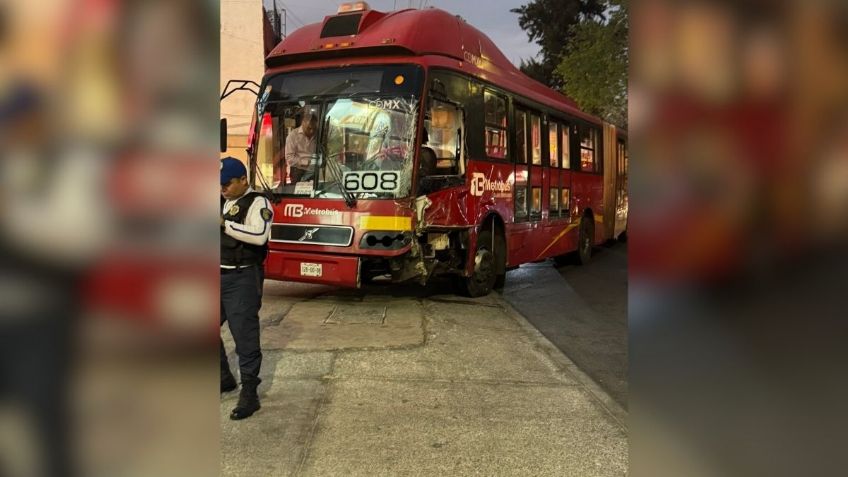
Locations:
299 210
480 184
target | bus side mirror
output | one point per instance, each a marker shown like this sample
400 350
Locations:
223 134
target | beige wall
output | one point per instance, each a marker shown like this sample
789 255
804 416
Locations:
241 58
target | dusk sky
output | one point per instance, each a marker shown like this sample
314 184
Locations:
492 17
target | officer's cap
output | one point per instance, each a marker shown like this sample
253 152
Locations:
231 168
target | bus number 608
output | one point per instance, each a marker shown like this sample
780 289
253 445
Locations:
368 181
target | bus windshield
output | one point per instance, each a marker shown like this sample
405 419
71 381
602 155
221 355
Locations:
342 133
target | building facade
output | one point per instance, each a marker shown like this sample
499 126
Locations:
241 58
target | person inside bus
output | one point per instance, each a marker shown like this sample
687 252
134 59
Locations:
426 162
427 157
301 146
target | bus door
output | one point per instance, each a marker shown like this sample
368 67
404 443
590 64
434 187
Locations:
556 188
567 211
538 175
621 199
521 213
528 185
612 176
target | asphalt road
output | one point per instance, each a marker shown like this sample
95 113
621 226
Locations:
582 310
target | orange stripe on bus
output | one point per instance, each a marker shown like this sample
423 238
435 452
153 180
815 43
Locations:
555 240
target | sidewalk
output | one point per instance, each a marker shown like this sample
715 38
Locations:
375 384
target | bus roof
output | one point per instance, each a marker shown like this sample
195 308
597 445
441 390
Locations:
415 32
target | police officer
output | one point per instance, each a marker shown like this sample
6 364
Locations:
245 227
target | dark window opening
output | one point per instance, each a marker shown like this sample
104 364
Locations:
536 205
521 137
553 205
521 201
588 150
495 122
341 25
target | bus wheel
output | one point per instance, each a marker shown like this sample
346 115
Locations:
584 243
500 262
483 277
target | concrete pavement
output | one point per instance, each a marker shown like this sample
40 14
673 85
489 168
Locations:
393 381
582 310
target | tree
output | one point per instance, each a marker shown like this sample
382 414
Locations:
594 65
548 23
541 72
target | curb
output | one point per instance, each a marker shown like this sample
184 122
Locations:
615 410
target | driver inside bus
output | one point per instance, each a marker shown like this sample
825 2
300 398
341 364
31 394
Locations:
301 146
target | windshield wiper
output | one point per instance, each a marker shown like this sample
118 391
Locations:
335 174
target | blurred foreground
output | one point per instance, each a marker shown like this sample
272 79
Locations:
108 273
739 140
108 270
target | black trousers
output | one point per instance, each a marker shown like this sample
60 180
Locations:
241 299
296 174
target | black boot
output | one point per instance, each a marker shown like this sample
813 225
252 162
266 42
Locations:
228 382
248 402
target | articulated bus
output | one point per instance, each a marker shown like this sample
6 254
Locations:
433 155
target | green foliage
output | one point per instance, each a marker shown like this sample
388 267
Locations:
594 65
541 72
583 52
549 23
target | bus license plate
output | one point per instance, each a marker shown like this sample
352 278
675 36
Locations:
310 269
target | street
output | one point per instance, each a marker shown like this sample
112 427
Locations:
410 380
582 310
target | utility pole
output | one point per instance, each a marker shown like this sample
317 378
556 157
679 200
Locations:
278 26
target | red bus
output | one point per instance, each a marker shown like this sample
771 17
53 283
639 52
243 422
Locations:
433 155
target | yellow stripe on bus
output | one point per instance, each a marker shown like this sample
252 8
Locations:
556 239
385 222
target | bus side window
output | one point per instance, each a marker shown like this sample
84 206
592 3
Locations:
553 144
495 124
536 139
441 156
521 136
589 149
566 147
445 137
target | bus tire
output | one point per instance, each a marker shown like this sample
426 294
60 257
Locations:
500 262
500 282
585 240
484 274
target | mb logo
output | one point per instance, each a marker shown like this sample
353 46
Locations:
293 210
